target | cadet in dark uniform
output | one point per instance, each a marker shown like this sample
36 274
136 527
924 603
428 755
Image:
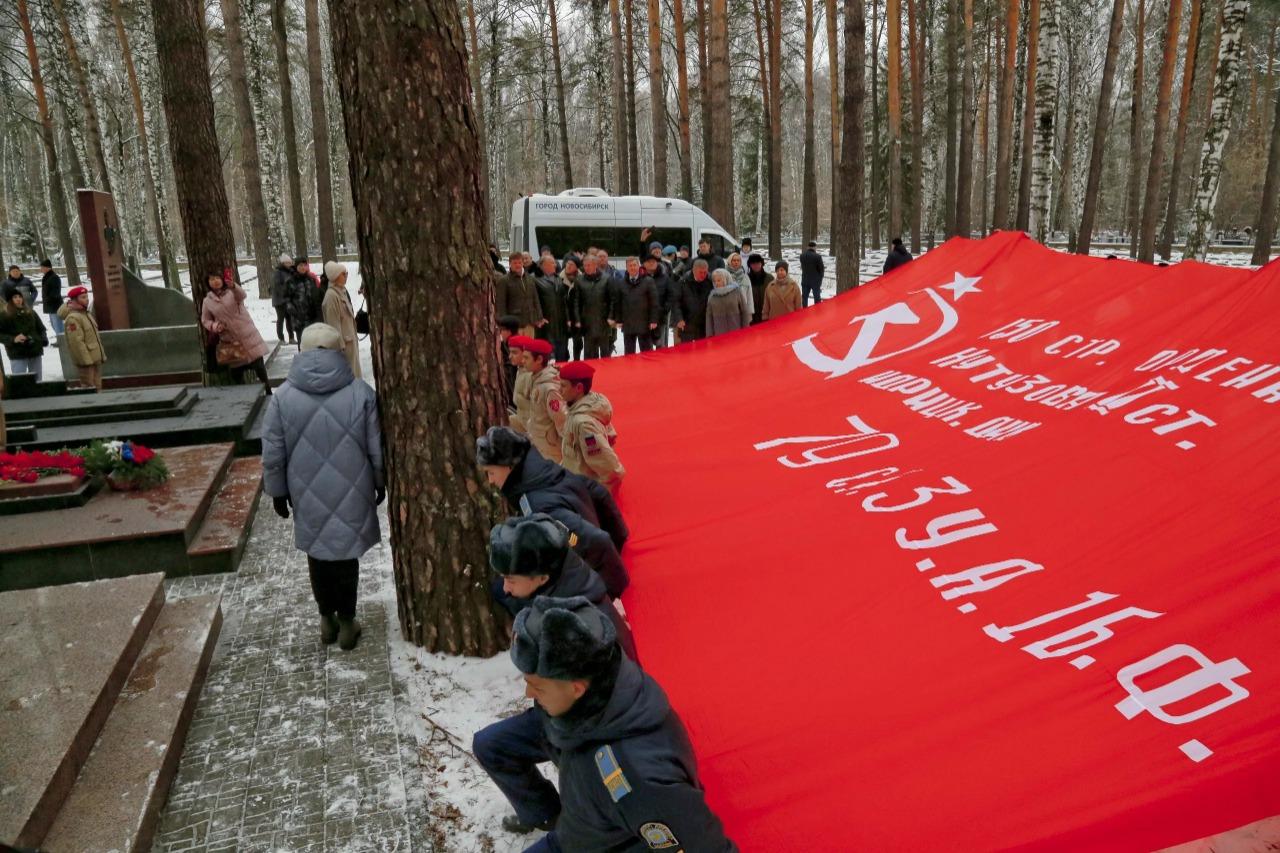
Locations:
628 776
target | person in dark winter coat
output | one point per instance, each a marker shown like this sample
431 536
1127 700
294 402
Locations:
812 269
517 294
23 334
680 264
51 295
666 288
507 327
530 555
530 483
760 281
567 287
19 282
689 308
898 255
322 458
628 775
714 261
636 309
555 309
595 297
280 298
303 298
496 259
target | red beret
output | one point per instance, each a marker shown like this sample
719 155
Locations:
76 291
539 347
577 371
519 341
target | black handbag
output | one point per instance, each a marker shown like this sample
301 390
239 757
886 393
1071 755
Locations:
362 320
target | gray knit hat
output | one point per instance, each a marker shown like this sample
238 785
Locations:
563 638
501 446
528 545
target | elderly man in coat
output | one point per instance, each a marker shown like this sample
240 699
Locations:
322 456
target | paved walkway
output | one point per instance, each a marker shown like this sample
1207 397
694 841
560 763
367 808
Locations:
294 746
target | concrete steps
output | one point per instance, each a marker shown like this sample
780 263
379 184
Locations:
116 801
98 683
219 543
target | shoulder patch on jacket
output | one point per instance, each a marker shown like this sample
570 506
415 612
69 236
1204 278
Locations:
611 773
71 326
658 836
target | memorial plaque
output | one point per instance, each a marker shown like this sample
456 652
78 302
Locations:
105 252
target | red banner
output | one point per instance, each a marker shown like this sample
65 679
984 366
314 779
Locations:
980 556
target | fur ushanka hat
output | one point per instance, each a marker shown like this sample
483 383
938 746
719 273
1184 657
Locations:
563 638
528 545
501 446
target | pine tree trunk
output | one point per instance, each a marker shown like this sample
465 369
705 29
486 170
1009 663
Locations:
1004 119
1062 211
57 197
809 201
773 30
764 144
1226 81
657 101
704 96
633 140
297 217
1102 119
1029 116
952 117
319 134
915 61
193 142
876 189
619 131
833 75
404 87
1132 197
564 121
92 128
255 35
964 181
1165 246
1164 95
720 180
985 176
1045 127
852 153
1265 231
250 165
682 98
893 20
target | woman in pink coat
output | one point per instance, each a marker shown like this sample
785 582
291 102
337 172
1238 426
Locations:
223 314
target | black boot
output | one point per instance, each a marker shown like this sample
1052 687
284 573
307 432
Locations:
348 633
512 823
328 628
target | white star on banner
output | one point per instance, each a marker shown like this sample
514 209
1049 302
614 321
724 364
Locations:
961 285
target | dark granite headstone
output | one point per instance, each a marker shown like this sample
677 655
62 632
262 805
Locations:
104 252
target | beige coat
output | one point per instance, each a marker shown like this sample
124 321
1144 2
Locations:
588 440
780 297
547 412
337 311
521 400
83 341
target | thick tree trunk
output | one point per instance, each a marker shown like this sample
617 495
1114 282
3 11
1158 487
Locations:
633 140
250 165
1046 131
720 180
852 153
319 134
915 59
809 200
893 20
682 99
619 131
875 191
1102 119
1230 57
193 142
964 180
704 96
1165 246
833 75
773 29
405 91
97 156
57 196
564 121
1029 116
1004 120
1265 231
1164 94
297 215
985 134
952 117
1132 215
764 144
657 101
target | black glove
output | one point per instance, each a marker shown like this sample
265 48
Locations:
282 506
380 495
